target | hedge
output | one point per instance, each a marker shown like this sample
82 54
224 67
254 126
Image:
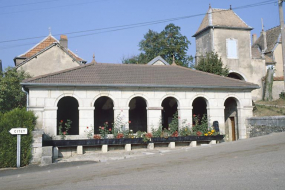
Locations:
16 118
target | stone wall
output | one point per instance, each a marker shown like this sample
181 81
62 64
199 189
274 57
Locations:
259 126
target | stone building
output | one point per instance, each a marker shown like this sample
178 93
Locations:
49 55
146 95
269 46
224 32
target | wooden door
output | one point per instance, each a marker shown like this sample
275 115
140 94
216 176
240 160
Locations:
233 128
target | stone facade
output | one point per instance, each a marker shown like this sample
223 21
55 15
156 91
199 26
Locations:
43 101
216 38
52 60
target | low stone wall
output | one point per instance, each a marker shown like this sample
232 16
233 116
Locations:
259 126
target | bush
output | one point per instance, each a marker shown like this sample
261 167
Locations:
16 118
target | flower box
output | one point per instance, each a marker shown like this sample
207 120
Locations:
123 141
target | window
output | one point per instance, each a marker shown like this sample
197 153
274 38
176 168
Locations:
232 49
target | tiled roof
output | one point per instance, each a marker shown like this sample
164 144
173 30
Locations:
46 42
137 75
256 54
45 49
272 37
223 18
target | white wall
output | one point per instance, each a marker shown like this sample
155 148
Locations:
44 103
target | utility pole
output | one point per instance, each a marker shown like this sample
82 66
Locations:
280 3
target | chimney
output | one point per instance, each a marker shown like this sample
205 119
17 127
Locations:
63 41
254 38
0 65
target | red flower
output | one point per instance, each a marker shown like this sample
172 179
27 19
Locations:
130 121
110 129
87 127
194 115
61 121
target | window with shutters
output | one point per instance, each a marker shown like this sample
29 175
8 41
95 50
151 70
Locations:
232 45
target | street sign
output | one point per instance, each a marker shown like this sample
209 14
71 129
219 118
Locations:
19 131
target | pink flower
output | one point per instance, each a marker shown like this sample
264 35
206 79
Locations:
130 121
110 129
61 121
102 128
64 132
106 122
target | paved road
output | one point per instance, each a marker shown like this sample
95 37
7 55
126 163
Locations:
256 163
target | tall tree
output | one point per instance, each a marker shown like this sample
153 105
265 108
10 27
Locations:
11 95
168 43
212 63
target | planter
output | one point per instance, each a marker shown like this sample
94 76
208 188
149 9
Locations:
123 141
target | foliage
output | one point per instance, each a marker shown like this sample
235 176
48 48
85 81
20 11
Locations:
212 63
185 130
211 132
119 136
63 129
16 118
200 124
157 132
282 95
146 137
97 136
104 131
11 94
173 125
168 43
139 134
89 132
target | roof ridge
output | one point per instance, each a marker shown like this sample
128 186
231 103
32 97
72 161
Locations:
273 28
212 74
57 73
39 44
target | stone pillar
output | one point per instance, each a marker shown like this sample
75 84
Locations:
128 147
217 114
50 121
123 113
171 145
193 144
79 149
150 146
104 148
86 119
153 117
37 147
185 115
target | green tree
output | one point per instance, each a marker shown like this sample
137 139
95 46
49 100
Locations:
212 63
11 95
168 43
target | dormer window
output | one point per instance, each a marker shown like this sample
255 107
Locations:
232 52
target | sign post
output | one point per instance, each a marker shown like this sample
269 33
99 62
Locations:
19 132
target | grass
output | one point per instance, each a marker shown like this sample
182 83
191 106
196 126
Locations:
269 108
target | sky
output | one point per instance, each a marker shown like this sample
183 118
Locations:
92 25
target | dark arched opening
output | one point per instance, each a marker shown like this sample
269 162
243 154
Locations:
199 110
231 119
103 113
236 76
137 115
169 109
68 110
